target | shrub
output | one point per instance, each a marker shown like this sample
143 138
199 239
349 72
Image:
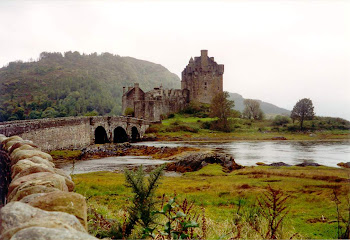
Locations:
92 113
197 109
179 128
293 128
154 128
180 221
219 125
280 120
129 112
171 115
143 202
206 125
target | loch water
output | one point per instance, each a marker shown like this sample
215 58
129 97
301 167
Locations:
248 153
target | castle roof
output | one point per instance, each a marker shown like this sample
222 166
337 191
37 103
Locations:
203 64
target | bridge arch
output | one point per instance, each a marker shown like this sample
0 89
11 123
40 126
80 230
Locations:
101 135
120 135
135 135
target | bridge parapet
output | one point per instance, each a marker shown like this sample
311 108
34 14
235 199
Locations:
73 132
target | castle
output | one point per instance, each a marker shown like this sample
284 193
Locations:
201 80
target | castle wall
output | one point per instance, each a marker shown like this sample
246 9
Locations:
130 97
151 105
201 80
203 77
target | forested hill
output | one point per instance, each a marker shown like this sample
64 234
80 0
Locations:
73 84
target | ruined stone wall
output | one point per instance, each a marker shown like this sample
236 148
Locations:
40 203
160 101
131 96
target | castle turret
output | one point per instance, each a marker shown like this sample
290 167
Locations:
203 78
204 60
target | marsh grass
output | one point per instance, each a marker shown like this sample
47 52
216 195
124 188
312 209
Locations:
65 154
187 127
312 213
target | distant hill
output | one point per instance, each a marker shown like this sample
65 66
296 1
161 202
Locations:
73 84
267 108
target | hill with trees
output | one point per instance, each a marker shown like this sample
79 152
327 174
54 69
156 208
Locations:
73 84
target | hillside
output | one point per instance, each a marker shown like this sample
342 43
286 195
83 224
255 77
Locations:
267 108
76 84
73 84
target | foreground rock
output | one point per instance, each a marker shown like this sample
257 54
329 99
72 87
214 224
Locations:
308 164
195 161
67 202
36 183
278 164
16 216
48 208
42 233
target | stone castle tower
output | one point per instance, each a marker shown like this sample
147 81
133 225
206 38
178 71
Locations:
201 80
203 77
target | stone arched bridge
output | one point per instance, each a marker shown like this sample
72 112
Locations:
76 132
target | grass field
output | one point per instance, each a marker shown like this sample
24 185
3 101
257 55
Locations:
187 127
312 212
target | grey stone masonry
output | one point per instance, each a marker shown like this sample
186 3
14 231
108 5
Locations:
201 80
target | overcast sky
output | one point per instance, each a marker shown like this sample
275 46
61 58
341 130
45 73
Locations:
276 51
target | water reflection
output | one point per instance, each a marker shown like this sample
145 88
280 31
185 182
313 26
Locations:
291 152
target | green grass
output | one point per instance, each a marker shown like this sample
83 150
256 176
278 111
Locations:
187 127
65 154
187 119
218 192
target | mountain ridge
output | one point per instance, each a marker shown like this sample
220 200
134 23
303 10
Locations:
267 108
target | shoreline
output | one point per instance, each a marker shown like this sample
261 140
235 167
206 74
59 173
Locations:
253 140
171 153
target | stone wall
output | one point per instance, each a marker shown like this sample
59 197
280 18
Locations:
203 77
152 104
160 101
41 203
71 132
201 80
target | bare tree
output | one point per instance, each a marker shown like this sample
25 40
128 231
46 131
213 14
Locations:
303 110
252 110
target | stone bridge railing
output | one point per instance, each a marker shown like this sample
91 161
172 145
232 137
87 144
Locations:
70 132
39 200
